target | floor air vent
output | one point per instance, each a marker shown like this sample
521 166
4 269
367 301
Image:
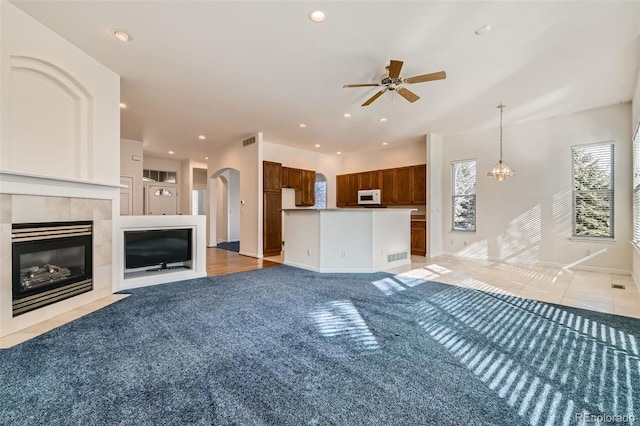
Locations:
397 256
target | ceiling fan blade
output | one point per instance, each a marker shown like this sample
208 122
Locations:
408 94
394 68
374 97
441 75
361 85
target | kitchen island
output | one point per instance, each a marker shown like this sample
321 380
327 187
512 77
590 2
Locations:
347 240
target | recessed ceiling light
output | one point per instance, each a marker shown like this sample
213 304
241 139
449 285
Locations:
202 137
317 145
483 30
171 152
318 15
382 120
385 143
121 35
123 105
338 153
302 125
206 158
347 115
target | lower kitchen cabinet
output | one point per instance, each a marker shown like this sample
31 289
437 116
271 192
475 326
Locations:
418 237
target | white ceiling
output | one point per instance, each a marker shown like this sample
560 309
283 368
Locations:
230 69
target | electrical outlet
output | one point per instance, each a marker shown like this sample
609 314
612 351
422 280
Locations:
308 252
587 252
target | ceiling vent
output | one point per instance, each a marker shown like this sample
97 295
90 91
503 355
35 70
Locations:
249 141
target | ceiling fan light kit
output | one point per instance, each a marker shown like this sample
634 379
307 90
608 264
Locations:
501 170
393 82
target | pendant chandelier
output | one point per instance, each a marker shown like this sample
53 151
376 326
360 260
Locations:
501 170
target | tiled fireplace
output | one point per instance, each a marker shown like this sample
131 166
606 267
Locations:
54 275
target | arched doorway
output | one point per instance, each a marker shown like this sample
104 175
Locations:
224 207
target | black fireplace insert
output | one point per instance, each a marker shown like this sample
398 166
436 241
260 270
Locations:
50 262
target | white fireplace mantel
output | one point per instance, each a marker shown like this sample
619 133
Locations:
29 184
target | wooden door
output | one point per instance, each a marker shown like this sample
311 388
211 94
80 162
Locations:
403 186
272 223
419 184
388 187
341 190
272 176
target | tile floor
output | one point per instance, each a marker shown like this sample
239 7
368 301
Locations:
580 289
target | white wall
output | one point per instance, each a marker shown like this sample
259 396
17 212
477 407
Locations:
247 160
386 157
130 149
59 107
435 183
328 165
634 123
527 218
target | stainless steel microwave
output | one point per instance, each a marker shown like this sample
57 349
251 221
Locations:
369 196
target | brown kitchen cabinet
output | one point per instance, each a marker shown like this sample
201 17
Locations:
295 178
272 176
419 184
285 177
403 186
347 187
272 224
341 190
388 187
306 195
369 180
272 208
418 238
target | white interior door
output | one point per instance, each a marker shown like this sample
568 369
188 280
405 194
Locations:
126 196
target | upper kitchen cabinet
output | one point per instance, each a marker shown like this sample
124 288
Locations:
272 176
369 180
419 184
388 187
403 186
341 190
306 195
295 178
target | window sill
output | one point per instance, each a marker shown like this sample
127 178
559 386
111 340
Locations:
593 240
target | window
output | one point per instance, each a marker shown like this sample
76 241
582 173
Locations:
321 191
463 198
636 187
592 170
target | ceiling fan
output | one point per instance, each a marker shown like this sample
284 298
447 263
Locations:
393 82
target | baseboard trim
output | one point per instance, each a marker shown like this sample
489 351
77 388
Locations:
549 265
246 253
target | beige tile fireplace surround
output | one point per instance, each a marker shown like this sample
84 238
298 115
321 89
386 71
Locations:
15 209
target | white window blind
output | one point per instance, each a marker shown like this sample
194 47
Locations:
636 186
592 167
463 195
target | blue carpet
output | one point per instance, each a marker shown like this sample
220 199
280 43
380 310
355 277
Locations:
284 346
229 245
